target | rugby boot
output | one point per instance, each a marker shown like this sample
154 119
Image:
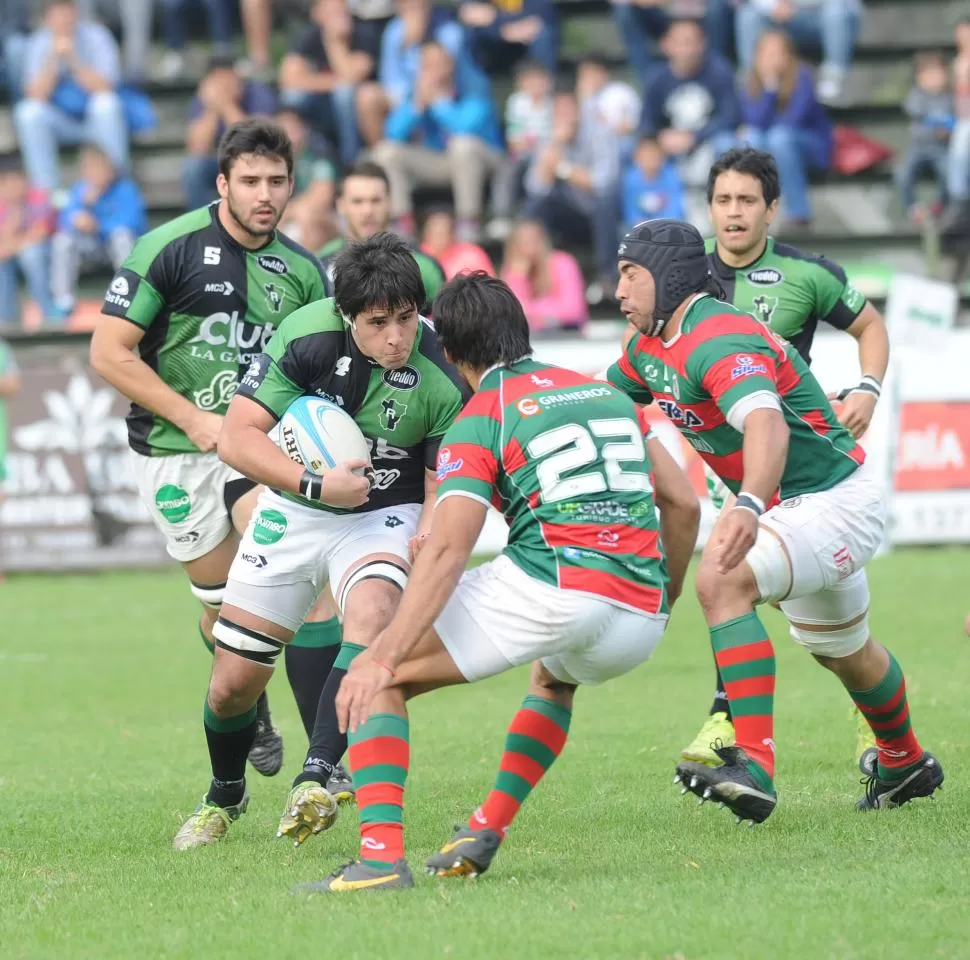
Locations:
469 853
922 781
266 753
738 784
340 786
310 809
361 876
209 824
717 729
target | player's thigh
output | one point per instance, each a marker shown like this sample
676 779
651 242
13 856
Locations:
324 607
815 541
371 548
834 621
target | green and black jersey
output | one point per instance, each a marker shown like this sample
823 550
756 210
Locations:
403 413
790 291
208 306
432 275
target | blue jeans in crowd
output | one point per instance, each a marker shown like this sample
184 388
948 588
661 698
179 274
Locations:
920 157
832 28
41 127
958 166
220 14
568 218
333 115
199 172
795 151
33 263
12 48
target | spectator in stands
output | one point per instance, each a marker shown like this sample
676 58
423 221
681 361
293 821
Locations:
781 115
438 240
257 22
71 71
443 134
831 25
26 224
323 76
103 217
607 103
547 282
958 179
528 123
373 16
651 186
14 29
930 105
573 183
308 214
690 103
400 62
220 15
501 31
223 98
136 33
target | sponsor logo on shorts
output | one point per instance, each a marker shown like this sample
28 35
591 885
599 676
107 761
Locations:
790 503
746 367
191 537
172 503
273 264
844 562
404 378
528 407
766 277
256 559
269 528
393 522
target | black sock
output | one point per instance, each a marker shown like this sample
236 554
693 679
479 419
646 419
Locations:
309 658
262 710
721 703
229 744
327 743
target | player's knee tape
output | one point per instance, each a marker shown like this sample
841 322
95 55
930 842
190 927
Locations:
835 643
209 593
377 570
251 644
841 609
771 566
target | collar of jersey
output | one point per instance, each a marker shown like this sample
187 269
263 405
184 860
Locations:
498 366
728 272
667 344
228 237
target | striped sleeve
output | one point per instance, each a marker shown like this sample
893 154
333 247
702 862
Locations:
731 368
468 459
624 375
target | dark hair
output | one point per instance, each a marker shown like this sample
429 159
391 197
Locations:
11 163
692 21
754 163
596 60
480 321
367 169
929 58
529 65
219 61
379 273
256 135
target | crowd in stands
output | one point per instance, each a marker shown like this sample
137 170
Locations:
564 161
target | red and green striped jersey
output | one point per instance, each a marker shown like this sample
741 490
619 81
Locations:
719 360
563 458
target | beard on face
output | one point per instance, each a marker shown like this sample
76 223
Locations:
251 228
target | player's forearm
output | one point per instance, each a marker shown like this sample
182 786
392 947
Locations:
874 350
765 450
432 581
427 508
133 378
9 385
250 451
679 523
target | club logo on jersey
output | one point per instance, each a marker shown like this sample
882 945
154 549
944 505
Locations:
269 527
764 308
391 414
221 389
528 407
274 296
404 378
765 277
446 465
172 503
844 562
393 522
746 367
679 415
541 381
273 264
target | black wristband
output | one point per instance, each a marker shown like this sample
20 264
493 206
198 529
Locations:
748 502
311 486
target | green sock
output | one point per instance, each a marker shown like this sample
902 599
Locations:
325 633
209 644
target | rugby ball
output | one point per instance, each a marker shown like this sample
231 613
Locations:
318 434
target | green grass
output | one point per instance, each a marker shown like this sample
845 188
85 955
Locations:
102 756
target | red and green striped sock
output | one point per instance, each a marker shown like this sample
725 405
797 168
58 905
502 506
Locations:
886 710
746 661
379 756
536 737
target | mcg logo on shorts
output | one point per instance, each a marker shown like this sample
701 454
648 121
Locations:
269 527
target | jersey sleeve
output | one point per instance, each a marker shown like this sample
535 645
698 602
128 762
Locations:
469 458
143 284
272 379
837 302
624 376
444 407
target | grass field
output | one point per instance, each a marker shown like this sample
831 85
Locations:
102 756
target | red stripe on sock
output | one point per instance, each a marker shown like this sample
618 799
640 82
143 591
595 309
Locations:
528 769
886 707
496 813
878 725
380 793
907 745
383 842
391 750
529 723
750 687
744 653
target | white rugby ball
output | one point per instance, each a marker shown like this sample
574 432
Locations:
318 434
